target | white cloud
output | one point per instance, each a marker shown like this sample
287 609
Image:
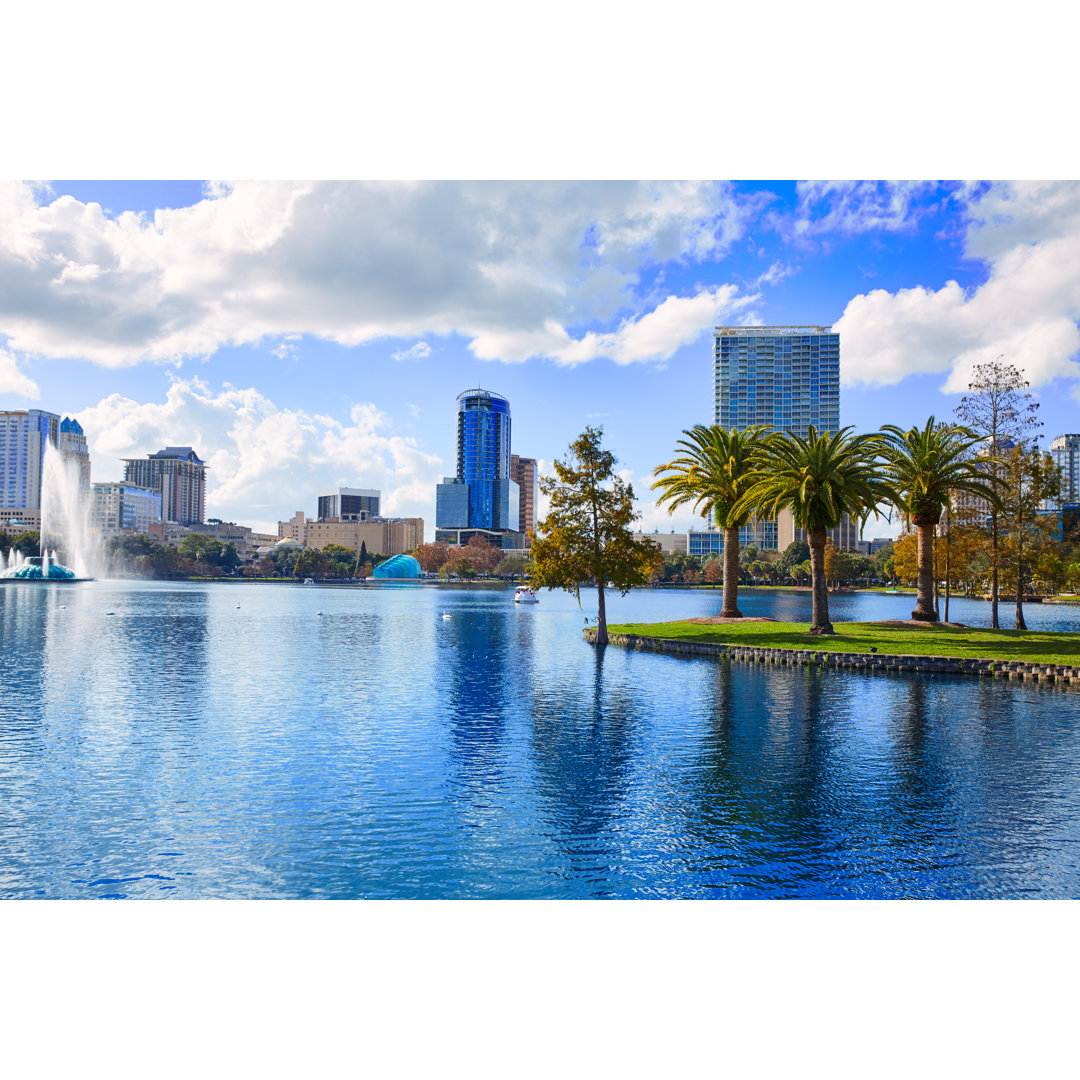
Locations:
420 351
265 462
1026 311
506 265
855 206
775 274
13 381
654 336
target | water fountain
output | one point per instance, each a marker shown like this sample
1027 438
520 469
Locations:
35 568
65 511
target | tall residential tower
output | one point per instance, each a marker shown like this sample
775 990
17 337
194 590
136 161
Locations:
784 378
24 434
178 476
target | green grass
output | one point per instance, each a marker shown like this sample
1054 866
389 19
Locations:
1030 646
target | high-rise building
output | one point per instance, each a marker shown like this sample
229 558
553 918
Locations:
178 475
523 473
784 378
1065 452
71 443
24 434
348 504
482 495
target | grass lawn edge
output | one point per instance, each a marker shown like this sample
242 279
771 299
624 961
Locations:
961 643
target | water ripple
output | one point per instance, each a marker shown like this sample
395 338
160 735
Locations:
183 748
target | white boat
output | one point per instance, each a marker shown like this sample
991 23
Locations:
525 594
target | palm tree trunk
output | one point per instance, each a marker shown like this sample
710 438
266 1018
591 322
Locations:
730 609
819 619
924 598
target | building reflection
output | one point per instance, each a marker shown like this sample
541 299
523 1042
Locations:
24 619
480 678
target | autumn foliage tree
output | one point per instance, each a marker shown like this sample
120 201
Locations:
432 557
586 536
999 409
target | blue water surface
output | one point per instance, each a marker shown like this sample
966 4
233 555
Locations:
158 740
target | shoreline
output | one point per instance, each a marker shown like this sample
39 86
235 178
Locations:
855 660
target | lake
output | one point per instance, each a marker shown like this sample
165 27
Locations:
163 740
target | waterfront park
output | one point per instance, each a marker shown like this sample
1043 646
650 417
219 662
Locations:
433 739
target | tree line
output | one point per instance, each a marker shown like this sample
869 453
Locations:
983 472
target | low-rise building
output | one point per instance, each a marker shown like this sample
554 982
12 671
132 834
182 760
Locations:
845 536
672 542
387 536
16 521
243 538
505 539
872 547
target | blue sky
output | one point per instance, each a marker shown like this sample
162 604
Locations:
302 335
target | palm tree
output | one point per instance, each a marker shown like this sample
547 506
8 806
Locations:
925 468
819 479
714 468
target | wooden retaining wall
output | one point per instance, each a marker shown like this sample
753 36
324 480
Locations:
947 665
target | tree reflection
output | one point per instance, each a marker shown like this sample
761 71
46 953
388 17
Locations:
581 751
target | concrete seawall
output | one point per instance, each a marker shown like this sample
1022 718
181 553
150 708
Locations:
1063 674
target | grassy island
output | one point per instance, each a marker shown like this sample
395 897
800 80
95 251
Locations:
886 639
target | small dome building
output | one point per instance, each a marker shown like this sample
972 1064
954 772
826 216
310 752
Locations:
399 567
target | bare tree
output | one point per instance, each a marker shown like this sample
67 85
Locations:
1000 410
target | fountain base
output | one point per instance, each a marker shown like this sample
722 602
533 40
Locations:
42 570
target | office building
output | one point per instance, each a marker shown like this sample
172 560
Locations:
784 378
1065 453
178 476
523 473
120 509
24 434
481 498
872 547
348 504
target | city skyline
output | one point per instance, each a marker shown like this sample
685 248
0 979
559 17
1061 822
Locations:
582 304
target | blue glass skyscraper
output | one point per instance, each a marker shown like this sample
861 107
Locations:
482 494
483 454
